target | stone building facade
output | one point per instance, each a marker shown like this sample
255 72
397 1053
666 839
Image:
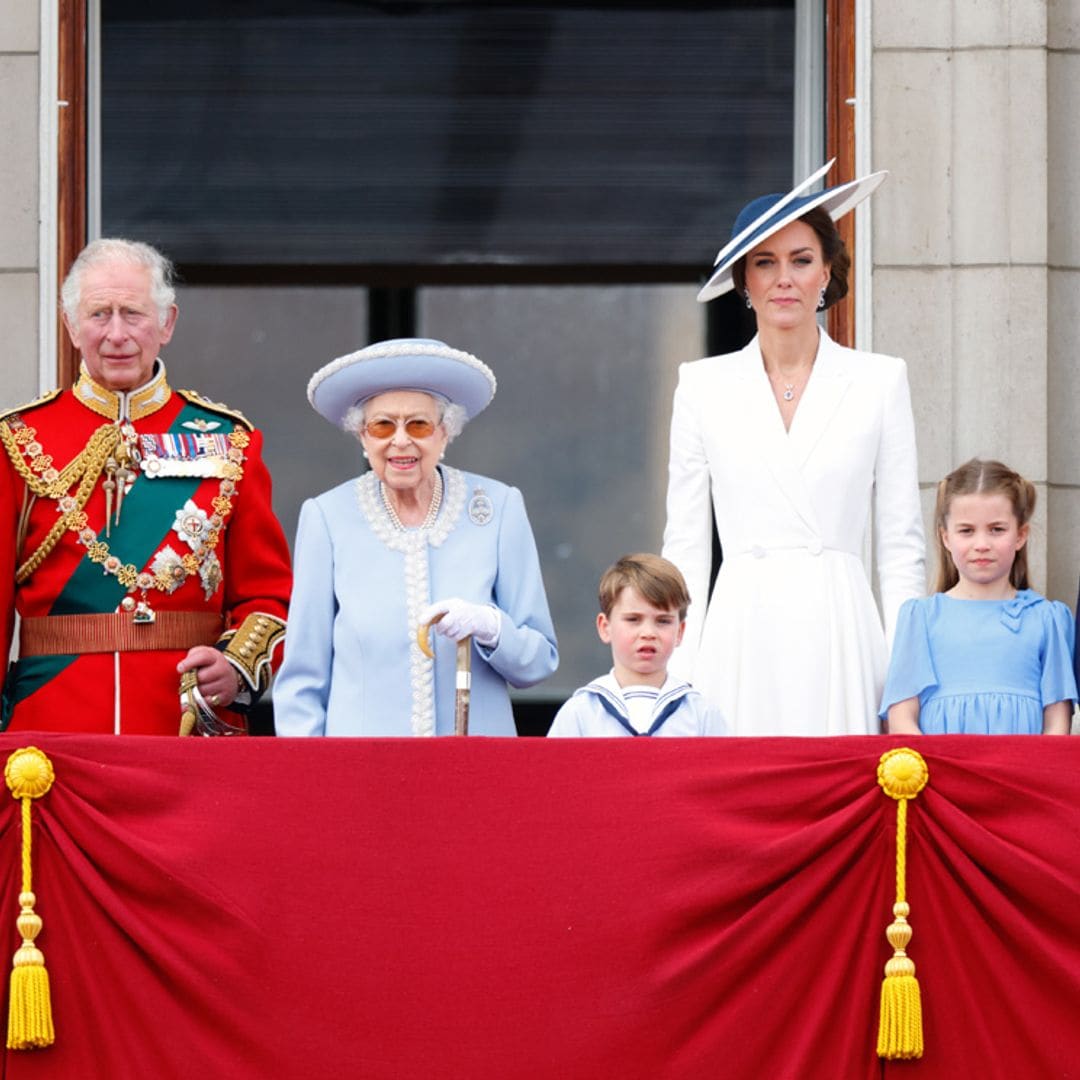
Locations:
975 240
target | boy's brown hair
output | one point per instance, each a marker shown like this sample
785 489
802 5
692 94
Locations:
656 579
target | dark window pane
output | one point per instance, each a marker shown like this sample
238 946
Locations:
416 134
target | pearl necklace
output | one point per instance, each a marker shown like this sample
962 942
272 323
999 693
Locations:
433 507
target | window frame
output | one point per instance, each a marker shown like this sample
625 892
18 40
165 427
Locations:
78 159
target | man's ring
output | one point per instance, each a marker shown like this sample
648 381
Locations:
215 699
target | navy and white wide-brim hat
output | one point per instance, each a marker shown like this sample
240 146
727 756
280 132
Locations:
432 367
770 213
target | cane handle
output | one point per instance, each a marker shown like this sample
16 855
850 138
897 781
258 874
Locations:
423 636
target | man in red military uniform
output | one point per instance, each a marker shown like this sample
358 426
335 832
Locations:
137 540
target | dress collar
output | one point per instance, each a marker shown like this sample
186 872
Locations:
609 685
127 405
374 509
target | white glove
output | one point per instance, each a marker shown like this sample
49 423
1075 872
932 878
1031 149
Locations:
460 618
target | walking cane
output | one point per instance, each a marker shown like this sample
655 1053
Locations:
464 672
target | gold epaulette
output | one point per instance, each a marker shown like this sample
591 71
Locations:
43 400
216 406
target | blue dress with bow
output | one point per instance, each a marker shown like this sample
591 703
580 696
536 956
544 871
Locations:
982 667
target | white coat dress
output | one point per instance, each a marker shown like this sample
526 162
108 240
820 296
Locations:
791 641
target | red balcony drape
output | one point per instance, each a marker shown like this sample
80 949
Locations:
527 909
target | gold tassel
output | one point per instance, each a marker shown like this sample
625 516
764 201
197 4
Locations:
29 774
902 774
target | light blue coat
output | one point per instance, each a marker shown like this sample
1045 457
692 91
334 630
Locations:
352 665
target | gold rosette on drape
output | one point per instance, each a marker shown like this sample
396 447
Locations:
902 774
29 775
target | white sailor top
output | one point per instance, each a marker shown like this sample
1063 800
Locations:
604 708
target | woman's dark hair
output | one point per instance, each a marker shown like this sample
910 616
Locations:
833 253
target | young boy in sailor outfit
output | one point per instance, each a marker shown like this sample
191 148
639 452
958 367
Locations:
643 602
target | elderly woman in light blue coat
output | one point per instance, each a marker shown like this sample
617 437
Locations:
407 542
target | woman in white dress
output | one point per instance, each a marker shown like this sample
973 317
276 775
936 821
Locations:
794 443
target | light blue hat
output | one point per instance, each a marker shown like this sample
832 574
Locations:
401 364
768 214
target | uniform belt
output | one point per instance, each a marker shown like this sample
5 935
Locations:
55 635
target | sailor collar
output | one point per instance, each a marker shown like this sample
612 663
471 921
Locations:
123 405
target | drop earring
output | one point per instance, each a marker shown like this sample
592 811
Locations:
746 293
821 300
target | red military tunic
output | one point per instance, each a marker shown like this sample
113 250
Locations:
192 554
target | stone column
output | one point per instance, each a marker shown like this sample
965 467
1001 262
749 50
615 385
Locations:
964 281
19 54
1063 305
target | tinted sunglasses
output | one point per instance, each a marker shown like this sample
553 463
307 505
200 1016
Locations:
417 428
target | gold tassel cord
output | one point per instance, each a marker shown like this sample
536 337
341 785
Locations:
29 775
902 774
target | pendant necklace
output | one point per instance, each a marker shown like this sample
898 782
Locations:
791 389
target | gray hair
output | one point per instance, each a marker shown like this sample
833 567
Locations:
453 417
133 252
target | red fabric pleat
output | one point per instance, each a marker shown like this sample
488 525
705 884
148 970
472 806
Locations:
593 909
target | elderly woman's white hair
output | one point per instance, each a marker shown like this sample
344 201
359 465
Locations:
452 417
134 252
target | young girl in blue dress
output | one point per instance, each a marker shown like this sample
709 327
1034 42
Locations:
984 654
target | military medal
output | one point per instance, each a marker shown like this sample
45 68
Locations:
182 454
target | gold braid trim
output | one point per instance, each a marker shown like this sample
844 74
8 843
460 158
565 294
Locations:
216 406
85 467
49 395
251 646
29 498
98 448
